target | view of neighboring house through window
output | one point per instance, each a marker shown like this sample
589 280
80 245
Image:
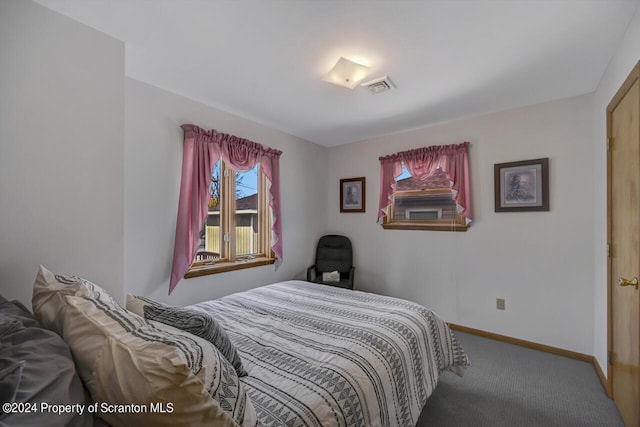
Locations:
233 229
247 225
415 200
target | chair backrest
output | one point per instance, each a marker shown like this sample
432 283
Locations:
333 253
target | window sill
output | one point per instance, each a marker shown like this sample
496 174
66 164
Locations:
223 267
425 226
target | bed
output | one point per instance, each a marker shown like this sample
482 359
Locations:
319 355
292 353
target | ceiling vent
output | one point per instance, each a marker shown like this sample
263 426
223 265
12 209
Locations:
379 85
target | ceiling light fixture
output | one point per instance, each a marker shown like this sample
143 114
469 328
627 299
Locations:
347 73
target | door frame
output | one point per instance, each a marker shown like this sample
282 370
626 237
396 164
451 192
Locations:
622 91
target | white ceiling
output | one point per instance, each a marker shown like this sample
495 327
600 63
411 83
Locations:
264 59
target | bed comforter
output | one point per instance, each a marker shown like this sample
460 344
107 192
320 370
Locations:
317 355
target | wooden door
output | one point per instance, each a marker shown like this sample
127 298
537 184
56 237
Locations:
623 127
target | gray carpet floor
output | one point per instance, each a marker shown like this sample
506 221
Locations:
509 385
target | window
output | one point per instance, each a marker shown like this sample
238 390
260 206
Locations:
420 205
424 214
418 193
236 233
245 230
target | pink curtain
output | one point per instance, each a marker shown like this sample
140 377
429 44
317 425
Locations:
422 163
202 149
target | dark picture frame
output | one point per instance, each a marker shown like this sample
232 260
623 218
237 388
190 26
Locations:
522 186
352 194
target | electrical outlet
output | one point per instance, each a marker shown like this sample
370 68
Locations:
500 304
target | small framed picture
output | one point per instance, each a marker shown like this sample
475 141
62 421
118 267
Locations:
352 194
522 186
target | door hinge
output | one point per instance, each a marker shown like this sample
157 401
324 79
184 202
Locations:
610 358
608 250
610 141
226 173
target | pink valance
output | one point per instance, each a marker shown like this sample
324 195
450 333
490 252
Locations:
421 164
202 150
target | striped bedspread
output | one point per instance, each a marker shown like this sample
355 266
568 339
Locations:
323 356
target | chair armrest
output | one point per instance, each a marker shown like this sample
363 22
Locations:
311 273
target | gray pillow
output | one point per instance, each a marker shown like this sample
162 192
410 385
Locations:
10 376
200 324
36 366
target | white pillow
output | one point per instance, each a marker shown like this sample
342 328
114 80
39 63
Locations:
135 304
124 359
331 276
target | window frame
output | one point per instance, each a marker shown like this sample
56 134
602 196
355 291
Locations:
229 261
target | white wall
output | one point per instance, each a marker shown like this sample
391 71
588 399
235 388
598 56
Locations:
620 66
539 262
61 150
153 162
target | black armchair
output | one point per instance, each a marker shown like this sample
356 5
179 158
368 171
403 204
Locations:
333 253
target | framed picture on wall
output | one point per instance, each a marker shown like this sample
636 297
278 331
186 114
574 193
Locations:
522 186
352 194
